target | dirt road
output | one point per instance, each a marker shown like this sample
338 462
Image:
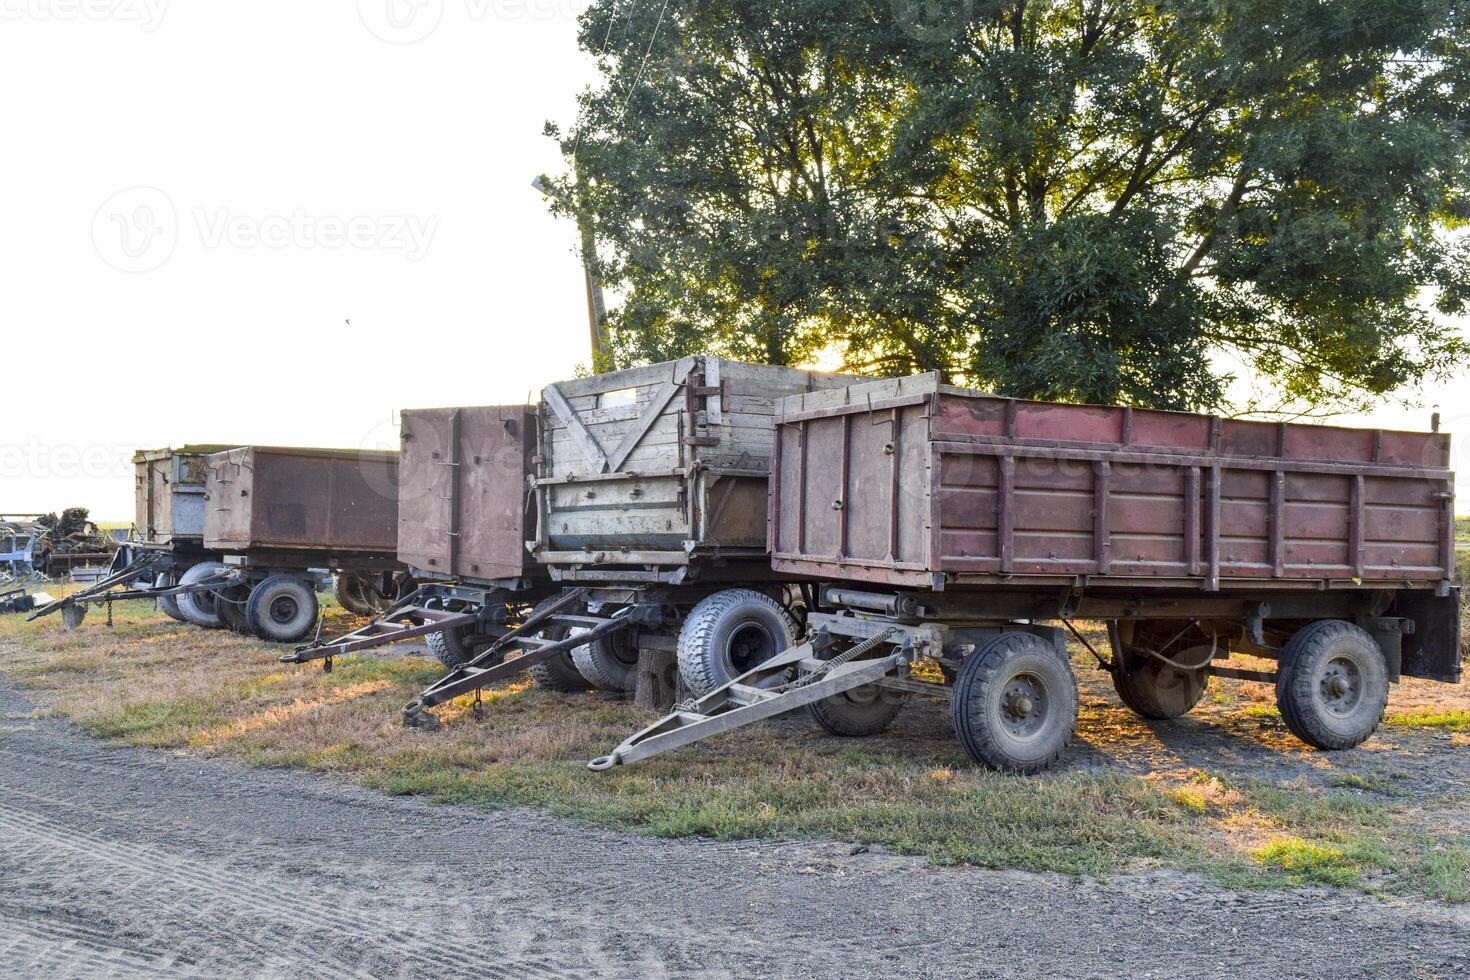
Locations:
126 862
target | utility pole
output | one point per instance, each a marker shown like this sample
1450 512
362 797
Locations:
596 307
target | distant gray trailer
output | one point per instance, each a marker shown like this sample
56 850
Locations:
166 542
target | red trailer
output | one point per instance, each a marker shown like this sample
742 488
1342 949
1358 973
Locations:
950 524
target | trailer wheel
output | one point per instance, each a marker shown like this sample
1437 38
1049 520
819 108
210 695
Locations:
282 609
199 607
230 603
1332 685
356 593
1158 691
167 604
1015 704
453 648
610 663
728 634
560 672
859 713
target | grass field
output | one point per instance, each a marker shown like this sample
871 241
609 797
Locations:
1227 793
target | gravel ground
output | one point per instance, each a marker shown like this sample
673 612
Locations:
123 862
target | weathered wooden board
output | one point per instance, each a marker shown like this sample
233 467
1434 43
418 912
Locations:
169 494
639 461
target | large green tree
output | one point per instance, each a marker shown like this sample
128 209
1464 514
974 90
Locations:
1102 200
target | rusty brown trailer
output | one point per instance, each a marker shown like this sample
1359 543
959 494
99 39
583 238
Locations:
465 514
465 509
912 483
284 500
954 528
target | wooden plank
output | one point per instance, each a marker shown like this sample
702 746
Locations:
638 377
650 416
713 406
584 439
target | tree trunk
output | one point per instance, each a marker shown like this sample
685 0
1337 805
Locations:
658 687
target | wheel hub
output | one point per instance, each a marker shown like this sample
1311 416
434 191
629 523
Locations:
1023 705
283 610
1342 686
750 646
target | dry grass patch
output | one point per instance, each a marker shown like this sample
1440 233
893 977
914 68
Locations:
154 683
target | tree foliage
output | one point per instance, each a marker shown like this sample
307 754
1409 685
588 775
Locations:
1099 200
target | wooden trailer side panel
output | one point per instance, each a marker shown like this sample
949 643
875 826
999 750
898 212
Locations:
662 464
169 494
463 493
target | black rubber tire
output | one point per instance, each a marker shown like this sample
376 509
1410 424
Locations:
611 663
560 672
1319 655
1003 676
199 607
355 593
455 647
282 609
167 604
729 633
1158 691
230 603
865 711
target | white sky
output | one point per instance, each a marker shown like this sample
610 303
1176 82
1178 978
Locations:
198 195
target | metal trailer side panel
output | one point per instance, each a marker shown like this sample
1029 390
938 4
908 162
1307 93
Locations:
260 498
909 483
464 506
660 466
